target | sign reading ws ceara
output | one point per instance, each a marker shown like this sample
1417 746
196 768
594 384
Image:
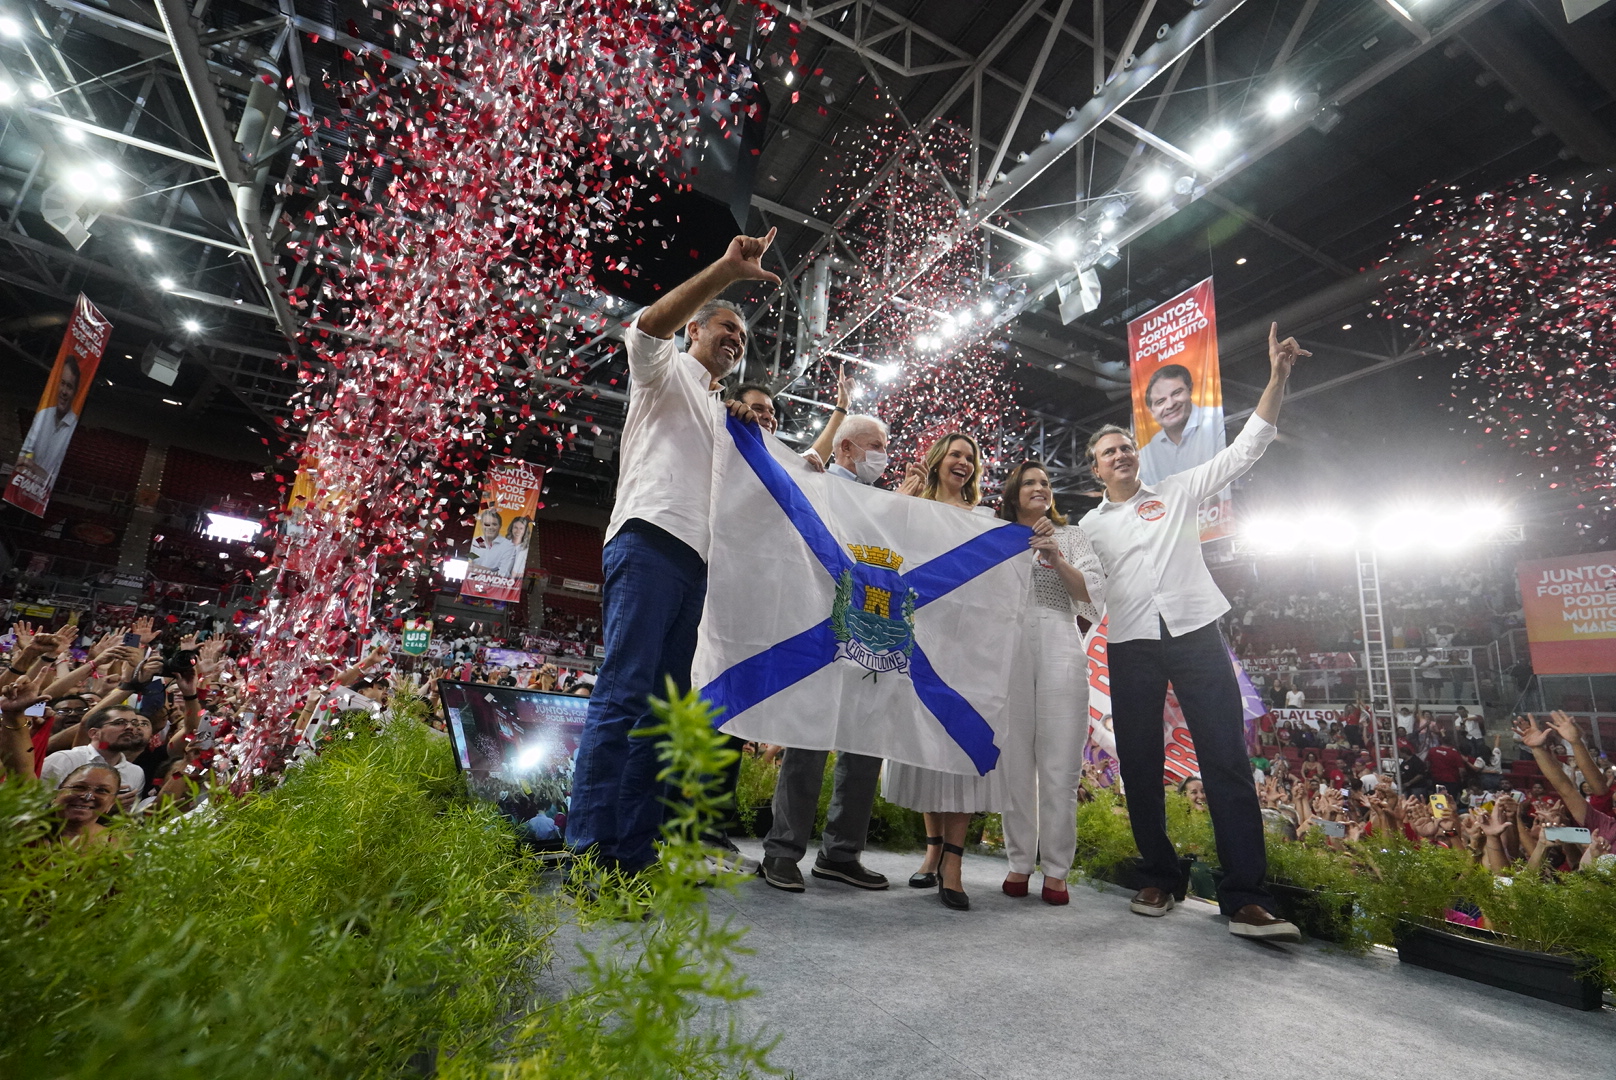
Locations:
1570 606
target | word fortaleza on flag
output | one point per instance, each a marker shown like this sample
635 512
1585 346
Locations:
844 617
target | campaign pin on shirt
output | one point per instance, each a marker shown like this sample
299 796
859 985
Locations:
1152 510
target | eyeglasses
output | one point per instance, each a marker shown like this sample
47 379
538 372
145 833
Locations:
141 722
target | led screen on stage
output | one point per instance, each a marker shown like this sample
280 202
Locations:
517 749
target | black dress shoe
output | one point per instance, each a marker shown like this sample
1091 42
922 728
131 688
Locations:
954 898
782 873
848 870
925 880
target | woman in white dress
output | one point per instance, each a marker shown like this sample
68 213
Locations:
1049 721
951 474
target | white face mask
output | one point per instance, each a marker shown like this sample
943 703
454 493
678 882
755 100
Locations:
870 469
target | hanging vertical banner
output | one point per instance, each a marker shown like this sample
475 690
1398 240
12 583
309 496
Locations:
59 407
504 529
1178 395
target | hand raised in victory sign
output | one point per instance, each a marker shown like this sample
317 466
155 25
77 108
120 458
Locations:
744 258
1282 355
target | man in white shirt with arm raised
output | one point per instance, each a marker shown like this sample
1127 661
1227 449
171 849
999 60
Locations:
656 550
1162 611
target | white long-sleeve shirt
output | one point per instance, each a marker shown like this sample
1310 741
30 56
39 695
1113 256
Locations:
1150 545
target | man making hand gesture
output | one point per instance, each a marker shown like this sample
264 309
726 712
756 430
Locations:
1162 609
656 549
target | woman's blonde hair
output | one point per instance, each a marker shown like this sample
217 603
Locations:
1010 500
933 464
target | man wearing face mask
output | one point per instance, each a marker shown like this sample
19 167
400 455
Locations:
656 550
860 455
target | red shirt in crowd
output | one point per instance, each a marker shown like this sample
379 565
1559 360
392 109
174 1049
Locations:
1447 765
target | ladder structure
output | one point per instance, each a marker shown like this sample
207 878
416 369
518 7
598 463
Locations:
1382 709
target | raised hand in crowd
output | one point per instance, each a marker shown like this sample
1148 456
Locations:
1532 735
1566 727
16 728
1596 848
146 628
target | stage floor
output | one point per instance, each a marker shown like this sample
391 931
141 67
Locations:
893 985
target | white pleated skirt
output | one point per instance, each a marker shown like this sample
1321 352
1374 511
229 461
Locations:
933 792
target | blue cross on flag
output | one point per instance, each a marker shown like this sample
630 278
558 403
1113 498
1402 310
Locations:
844 617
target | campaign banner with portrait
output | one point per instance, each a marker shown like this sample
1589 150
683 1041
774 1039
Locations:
497 558
59 407
1570 607
1178 395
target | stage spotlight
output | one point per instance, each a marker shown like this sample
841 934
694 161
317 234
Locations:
987 308
1065 248
1280 104
886 373
7 92
10 27
73 135
1212 148
81 180
38 90
1274 534
1184 185
143 245
165 283
1108 225
111 193
1396 532
1033 259
191 325
1328 532
1156 184
1241 261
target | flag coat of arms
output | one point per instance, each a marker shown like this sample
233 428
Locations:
844 617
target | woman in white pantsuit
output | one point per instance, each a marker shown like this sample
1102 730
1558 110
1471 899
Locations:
950 474
1049 722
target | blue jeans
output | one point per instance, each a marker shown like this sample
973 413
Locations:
654 589
1198 666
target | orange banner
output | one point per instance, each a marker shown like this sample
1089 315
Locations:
1178 394
504 531
1570 607
59 408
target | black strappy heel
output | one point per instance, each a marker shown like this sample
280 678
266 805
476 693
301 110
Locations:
953 898
927 881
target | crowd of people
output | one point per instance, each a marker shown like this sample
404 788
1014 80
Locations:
1435 609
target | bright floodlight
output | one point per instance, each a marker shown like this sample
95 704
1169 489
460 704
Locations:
73 135
987 307
1034 258
191 325
104 169
886 373
1211 148
81 180
38 90
1396 532
7 92
165 283
454 569
1276 534
1156 183
229 527
111 193
1065 248
1328 532
143 245
1108 225
1280 104
10 27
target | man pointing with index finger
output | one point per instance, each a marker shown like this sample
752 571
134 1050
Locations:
1162 611
656 550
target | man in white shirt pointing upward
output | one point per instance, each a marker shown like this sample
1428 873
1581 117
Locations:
1162 611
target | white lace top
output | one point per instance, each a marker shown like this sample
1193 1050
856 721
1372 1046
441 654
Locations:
1049 591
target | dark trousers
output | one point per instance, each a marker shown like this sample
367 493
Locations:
1202 675
651 606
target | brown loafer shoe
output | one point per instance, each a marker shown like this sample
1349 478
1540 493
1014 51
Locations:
1253 921
1151 901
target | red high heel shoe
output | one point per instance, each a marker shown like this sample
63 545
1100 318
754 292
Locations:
1058 898
1015 888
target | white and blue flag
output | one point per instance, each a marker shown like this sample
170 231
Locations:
844 617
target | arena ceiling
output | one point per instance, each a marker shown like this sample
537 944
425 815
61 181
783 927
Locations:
1334 117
